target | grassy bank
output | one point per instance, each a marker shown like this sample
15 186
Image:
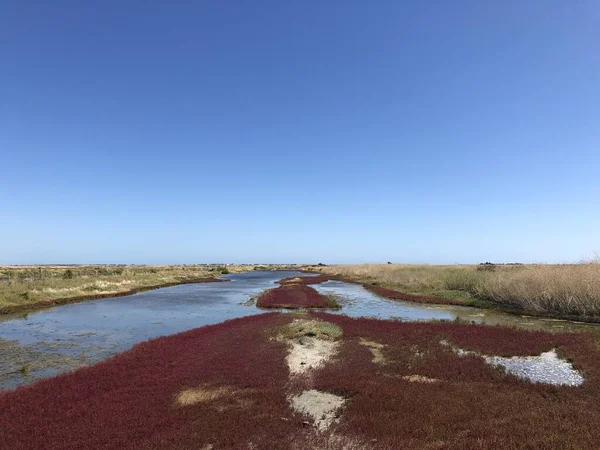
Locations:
561 290
34 287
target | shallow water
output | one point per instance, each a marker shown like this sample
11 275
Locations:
356 301
60 339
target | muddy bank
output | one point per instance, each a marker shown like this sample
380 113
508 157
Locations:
9 309
314 380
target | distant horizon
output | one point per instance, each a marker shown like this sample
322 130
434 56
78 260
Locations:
338 132
586 260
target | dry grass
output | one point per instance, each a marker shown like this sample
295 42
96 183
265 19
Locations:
202 395
207 394
23 286
376 350
570 289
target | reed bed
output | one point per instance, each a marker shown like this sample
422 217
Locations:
569 289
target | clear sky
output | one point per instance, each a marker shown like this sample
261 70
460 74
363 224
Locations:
313 131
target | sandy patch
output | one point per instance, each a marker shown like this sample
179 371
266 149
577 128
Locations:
311 344
320 406
309 352
376 350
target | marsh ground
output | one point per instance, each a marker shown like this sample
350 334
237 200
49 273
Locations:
46 342
365 384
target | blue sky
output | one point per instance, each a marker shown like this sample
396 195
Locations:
338 131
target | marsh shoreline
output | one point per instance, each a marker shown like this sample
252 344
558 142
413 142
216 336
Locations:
42 304
395 294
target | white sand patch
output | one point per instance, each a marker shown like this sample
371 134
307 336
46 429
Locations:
545 368
320 406
309 352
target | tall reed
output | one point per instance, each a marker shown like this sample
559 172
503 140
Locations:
572 289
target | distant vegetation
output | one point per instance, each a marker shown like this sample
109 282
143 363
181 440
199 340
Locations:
570 289
221 269
22 286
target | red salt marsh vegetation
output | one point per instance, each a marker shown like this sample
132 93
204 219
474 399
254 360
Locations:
293 295
171 392
229 386
420 395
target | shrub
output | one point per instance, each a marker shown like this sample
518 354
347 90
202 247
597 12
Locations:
487 266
